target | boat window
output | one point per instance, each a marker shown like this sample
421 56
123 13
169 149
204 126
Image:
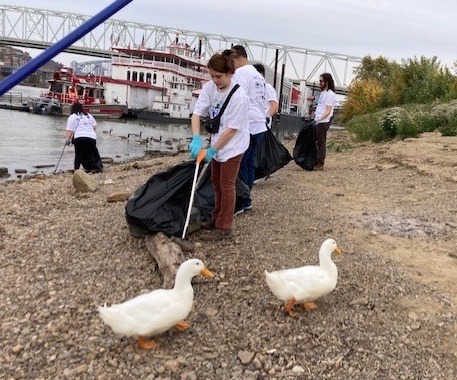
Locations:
80 90
154 78
134 76
141 77
148 77
57 87
128 75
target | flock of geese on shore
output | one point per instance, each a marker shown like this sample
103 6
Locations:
181 144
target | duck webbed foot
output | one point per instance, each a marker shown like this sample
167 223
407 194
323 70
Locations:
309 305
181 326
288 307
146 344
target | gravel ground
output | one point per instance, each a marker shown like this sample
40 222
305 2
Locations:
392 208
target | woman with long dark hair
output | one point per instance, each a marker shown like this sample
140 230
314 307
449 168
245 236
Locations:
228 141
81 131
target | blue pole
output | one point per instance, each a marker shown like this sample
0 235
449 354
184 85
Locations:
33 65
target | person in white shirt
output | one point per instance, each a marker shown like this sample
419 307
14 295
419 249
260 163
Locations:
80 130
323 117
271 104
228 143
254 85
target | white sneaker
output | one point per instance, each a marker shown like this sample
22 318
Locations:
257 181
238 212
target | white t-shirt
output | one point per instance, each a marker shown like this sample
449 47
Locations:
271 96
235 116
326 98
253 83
82 125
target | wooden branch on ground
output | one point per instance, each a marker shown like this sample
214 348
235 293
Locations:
168 256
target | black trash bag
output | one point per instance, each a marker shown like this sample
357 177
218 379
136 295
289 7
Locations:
271 156
161 203
204 195
305 149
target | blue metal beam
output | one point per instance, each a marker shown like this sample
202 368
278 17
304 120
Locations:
61 45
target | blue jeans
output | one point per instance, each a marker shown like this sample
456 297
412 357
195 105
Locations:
247 167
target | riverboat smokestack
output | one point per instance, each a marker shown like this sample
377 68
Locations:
200 44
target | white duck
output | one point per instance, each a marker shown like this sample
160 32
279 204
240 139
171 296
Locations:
306 284
155 312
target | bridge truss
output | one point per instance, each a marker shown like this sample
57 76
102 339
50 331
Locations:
41 28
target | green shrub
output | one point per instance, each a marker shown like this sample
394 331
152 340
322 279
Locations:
363 126
389 121
401 122
407 128
428 123
450 128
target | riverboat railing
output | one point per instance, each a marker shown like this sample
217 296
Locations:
158 65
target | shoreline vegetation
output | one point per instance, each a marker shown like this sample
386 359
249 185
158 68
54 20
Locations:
389 206
388 100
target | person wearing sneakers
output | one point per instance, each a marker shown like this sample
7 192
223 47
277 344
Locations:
254 84
323 117
227 105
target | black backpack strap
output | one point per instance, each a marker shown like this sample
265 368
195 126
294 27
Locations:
224 106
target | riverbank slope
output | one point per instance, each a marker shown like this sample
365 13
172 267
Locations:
392 208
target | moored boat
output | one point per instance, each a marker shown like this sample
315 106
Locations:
158 85
67 88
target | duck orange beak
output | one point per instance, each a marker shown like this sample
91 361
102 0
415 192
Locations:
207 273
338 251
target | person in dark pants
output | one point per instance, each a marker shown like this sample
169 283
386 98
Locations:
323 116
253 83
81 127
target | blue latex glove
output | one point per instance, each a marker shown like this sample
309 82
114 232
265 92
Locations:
67 142
195 146
210 154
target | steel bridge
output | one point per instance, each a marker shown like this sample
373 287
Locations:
40 28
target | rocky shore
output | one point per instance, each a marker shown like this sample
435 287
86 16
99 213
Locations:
392 208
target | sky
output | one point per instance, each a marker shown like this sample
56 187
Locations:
395 29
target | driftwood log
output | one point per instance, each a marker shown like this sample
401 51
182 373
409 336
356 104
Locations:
168 256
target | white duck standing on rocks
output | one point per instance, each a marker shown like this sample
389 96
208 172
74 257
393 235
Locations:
308 283
158 311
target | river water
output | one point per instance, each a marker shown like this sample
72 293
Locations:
28 140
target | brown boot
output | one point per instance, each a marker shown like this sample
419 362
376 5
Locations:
217 234
209 225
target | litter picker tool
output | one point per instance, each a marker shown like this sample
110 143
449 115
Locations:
58 162
200 158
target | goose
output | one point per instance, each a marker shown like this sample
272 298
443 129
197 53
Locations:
135 135
143 141
111 130
168 142
308 283
158 311
159 140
